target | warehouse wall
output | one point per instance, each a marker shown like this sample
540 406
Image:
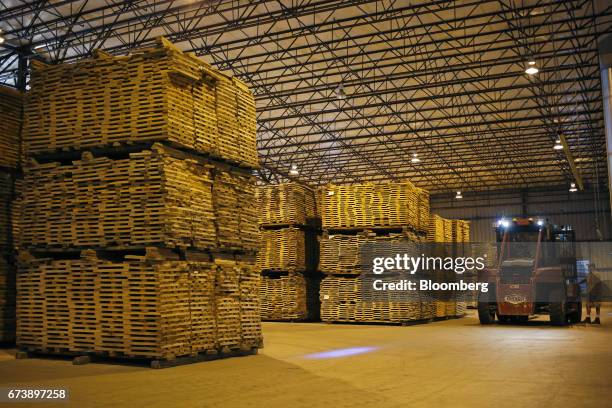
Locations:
557 204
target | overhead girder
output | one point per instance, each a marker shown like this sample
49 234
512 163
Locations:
442 79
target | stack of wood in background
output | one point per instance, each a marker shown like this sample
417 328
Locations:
342 254
152 197
461 231
287 256
180 99
450 235
461 236
10 165
283 204
166 233
147 306
282 249
374 205
435 231
359 218
448 230
342 300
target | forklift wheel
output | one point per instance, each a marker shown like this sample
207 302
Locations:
558 308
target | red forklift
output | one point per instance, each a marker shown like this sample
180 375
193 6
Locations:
535 273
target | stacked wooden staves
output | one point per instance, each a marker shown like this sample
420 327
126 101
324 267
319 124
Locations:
450 237
287 252
461 239
148 210
10 163
356 220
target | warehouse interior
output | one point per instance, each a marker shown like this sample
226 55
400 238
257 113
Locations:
194 194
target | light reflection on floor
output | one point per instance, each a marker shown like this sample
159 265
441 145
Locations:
344 352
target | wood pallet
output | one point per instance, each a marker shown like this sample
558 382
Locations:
152 197
7 195
81 358
139 307
343 254
282 250
342 300
424 210
435 231
284 297
11 102
460 231
286 204
153 94
7 299
369 205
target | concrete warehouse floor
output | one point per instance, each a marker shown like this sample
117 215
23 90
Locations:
455 363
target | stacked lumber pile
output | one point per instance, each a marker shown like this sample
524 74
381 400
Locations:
7 298
466 232
373 205
361 222
461 235
151 197
180 99
460 231
141 306
286 204
7 193
287 252
453 233
423 206
448 230
343 299
435 231
343 254
283 297
11 102
158 196
282 249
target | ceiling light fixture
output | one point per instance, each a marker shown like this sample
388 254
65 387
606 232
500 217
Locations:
293 170
531 68
458 196
573 188
415 158
558 145
340 94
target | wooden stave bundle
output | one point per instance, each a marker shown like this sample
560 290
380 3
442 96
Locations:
342 254
154 94
282 250
7 195
372 205
152 197
461 231
11 102
7 298
284 297
342 301
138 307
8 183
285 204
435 231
